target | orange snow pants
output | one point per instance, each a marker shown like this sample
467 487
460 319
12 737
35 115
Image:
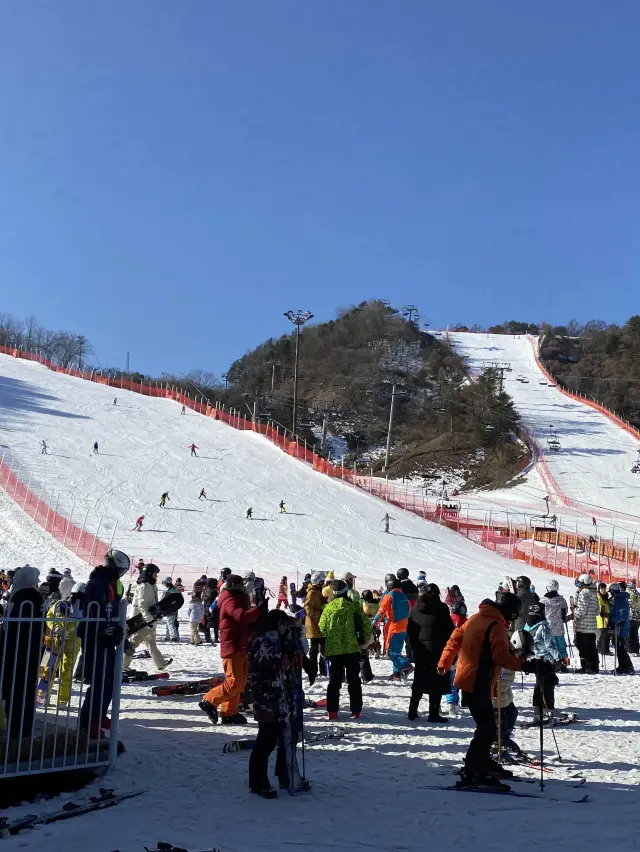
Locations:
227 695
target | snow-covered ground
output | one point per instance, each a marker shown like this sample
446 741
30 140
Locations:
368 788
143 452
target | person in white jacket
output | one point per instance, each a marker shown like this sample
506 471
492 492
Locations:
195 614
145 595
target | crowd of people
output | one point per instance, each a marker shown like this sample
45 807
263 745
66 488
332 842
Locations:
331 633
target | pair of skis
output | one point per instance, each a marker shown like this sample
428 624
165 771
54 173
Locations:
135 675
106 799
503 790
188 687
247 743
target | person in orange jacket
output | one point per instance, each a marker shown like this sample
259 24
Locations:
482 648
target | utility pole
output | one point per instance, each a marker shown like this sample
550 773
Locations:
393 404
298 318
225 376
325 422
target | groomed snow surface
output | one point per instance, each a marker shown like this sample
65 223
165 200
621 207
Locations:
367 789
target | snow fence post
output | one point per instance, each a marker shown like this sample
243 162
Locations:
84 523
115 527
117 689
24 503
66 529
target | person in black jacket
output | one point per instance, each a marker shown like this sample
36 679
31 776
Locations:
527 598
428 631
211 619
20 652
408 586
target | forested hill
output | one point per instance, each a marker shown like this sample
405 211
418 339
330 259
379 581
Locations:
599 360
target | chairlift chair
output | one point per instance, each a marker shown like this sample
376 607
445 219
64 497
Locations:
542 523
447 508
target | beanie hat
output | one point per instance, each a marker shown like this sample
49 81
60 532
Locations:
329 575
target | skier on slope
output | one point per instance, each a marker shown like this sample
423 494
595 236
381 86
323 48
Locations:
393 612
193 449
115 400
249 514
43 447
386 520
163 499
138 526
95 447
482 648
183 410
283 509
203 494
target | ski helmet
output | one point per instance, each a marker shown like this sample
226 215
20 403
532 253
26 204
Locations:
614 587
392 582
522 642
553 586
118 560
402 573
249 575
459 608
167 581
388 578
78 588
317 578
585 580
506 585
367 596
339 588
523 582
536 609
509 605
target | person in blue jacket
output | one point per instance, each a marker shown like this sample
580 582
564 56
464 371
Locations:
619 619
545 649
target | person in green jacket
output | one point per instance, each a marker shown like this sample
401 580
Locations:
346 632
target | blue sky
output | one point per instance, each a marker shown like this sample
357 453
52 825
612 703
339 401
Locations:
175 175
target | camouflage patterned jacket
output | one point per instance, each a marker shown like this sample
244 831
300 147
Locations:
269 674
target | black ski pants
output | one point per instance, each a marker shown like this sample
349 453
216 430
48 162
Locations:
633 642
548 681
586 645
479 752
340 665
270 735
624 660
316 655
365 666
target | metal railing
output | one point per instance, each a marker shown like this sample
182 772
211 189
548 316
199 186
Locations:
57 679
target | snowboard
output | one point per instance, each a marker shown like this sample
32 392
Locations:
106 799
132 676
168 847
188 687
167 606
47 672
292 590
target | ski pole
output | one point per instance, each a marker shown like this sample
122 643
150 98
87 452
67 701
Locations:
541 704
615 650
553 733
499 726
304 769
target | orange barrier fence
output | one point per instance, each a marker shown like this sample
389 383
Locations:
621 562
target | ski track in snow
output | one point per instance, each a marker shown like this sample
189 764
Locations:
366 792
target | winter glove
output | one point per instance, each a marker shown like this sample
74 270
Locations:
531 666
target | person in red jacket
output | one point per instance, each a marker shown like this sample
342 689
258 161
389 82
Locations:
193 449
138 526
236 620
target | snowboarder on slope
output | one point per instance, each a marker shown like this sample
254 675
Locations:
283 509
163 499
138 526
95 447
203 493
193 449
43 447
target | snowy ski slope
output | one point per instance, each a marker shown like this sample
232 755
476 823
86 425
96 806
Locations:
144 451
594 464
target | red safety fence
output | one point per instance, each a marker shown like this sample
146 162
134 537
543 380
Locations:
511 542
84 544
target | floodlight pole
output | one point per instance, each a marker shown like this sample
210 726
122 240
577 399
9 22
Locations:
298 318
